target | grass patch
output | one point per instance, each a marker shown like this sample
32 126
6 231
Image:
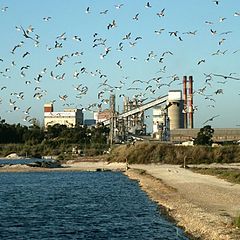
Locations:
229 174
237 221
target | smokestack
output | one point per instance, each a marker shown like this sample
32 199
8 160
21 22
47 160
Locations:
185 103
190 102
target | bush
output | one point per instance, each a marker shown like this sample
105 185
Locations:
164 153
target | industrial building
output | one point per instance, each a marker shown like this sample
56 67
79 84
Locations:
221 135
172 118
69 117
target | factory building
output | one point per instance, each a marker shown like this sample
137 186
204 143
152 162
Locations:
70 117
177 114
160 123
102 116
134 123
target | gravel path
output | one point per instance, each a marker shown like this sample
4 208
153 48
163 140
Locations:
204 205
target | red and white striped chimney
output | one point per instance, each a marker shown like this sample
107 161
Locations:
185 102
190 102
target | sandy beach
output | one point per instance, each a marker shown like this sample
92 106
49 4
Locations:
204 206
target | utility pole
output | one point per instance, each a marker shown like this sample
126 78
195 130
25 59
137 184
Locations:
112 119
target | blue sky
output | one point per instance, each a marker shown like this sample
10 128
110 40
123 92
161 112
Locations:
140 59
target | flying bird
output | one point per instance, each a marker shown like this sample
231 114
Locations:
148 5
161 13
210 119
47 18
26 33
87 10
201 61
136 17
118 6
119 64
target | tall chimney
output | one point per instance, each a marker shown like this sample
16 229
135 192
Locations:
190 102
185 103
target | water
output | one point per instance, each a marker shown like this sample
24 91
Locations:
79 205
22 161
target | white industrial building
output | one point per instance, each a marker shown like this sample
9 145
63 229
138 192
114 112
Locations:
70 117
168 117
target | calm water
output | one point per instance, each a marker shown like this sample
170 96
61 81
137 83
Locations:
22 161
78 205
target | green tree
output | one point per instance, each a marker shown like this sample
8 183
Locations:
204 136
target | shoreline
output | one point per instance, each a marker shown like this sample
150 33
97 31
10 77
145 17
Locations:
172 189
197 222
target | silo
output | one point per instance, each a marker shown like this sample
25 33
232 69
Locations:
175 109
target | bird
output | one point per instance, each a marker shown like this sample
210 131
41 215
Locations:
161 13
158 32
221 41
201 61
216 2
191 32
148 5
87 10
104 12
219 91
26 33
173 33
17 46
210 119
118 6
221 19
47 18
213 32
62 36
27 110
209 22
136 17
119 64
4 9
76 38
113 24
63 97
127 36
25 54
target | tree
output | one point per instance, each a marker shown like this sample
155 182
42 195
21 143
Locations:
204 136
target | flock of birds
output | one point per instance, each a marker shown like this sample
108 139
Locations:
71 68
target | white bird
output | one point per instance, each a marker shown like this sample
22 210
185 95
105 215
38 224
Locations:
161 13
47 18
136 17
119 64
118 6
221 19
211 119
148 5
87 10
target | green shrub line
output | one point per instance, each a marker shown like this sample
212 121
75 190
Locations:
147 152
